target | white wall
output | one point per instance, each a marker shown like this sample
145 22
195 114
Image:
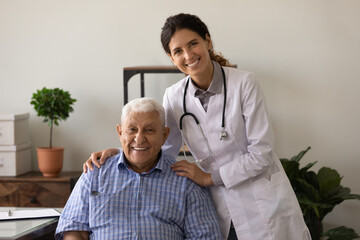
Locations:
305 53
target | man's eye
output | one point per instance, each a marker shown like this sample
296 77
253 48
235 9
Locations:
149 130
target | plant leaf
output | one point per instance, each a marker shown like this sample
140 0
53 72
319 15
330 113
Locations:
328 179
291 168
308 205
311 178
341 233
298 157
309 190
340 193
308 166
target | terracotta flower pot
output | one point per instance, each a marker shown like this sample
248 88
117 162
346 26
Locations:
50 161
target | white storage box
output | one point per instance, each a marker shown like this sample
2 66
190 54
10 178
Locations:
14 129
15 160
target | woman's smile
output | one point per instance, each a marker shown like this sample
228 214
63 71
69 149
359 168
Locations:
193 63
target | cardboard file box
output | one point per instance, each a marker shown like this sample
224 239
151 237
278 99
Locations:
15 160
14 129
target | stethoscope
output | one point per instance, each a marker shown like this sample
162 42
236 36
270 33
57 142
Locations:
223 133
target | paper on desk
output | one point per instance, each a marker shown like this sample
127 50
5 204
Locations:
30 213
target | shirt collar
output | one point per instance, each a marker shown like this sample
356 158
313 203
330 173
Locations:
215 85
122 163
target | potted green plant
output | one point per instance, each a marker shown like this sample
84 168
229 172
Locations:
318 194
54 105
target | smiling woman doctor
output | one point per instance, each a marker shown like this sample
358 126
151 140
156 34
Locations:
221 115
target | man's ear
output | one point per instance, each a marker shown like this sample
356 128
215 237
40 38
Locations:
118 129
165 134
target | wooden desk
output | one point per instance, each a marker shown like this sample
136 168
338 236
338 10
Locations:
40 229
34 190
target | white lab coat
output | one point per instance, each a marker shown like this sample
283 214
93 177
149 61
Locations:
256 195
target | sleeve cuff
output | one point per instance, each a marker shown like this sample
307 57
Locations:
216 178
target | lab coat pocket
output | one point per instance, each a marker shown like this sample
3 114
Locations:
275 197
279 208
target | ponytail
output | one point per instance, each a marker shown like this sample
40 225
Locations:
219 58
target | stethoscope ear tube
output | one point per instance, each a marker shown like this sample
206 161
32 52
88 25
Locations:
186 114
225 93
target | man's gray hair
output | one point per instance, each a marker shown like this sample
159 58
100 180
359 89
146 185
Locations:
145 105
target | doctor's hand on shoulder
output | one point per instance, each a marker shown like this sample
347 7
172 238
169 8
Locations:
99 158
193 172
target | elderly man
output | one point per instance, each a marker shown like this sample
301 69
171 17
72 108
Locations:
137 195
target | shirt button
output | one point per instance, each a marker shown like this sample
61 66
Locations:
134 234
134 196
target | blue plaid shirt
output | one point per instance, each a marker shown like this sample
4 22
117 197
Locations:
114 202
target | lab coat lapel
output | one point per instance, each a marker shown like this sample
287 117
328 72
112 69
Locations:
215 109
206 117
197 109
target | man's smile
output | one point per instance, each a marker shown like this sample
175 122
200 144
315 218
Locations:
140 148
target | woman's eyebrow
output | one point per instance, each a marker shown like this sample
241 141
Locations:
175 49
194 40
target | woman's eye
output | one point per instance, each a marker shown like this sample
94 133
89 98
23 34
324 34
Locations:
193 44
176 52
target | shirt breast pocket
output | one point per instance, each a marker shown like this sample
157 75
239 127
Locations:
106 209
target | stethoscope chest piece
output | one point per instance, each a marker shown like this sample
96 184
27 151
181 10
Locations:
223 135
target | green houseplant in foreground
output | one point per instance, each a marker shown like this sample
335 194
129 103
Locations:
318 194
54 105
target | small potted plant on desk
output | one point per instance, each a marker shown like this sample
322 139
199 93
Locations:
54 105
